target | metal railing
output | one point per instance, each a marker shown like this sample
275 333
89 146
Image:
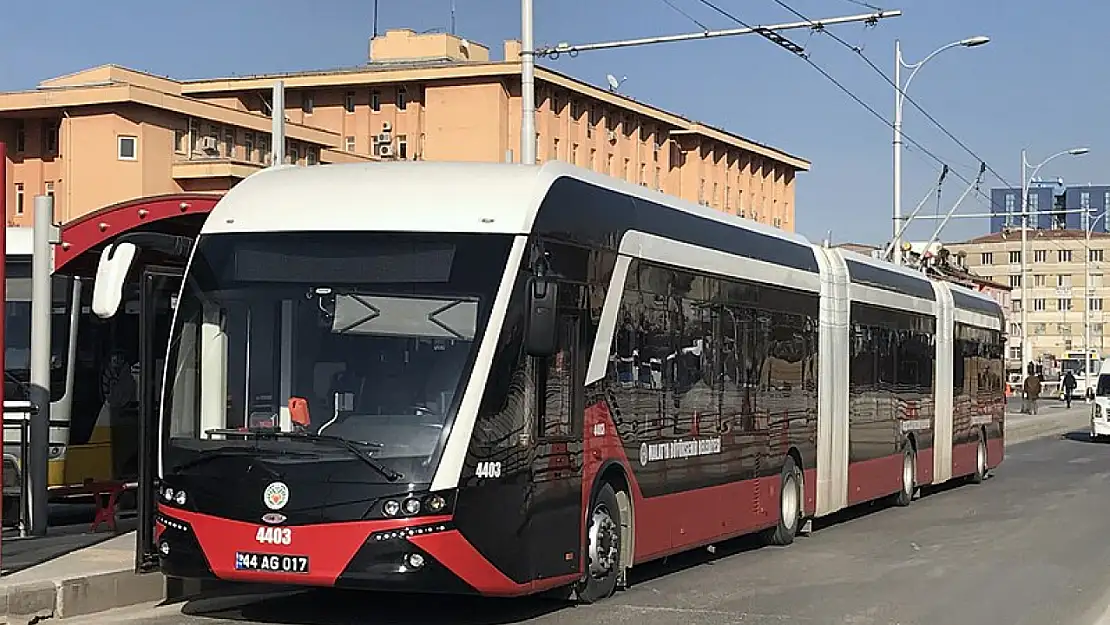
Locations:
21 487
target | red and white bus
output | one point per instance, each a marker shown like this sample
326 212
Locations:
498 379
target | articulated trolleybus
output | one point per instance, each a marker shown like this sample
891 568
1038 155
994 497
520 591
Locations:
504 380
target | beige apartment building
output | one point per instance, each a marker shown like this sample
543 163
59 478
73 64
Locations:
111 134
1061 300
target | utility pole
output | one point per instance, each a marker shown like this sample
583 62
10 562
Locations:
45 235
527 86
3 275
277 116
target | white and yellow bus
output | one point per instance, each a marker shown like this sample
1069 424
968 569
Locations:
85 375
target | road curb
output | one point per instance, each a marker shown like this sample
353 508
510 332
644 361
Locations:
79 596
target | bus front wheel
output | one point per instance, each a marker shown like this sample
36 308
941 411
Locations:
603 547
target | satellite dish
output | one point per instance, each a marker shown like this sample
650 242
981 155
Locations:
614 84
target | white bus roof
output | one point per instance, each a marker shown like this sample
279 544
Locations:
19 241
419 196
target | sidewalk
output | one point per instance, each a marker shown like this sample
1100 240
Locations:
86 581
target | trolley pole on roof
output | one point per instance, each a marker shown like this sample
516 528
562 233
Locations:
45 235
277 114
527 86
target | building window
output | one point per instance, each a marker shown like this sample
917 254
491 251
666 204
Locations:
50 137
574 154
1064 303
1085 199
986 258
658 175
229 142
1015 257
1063 280
264 155
1015 305
555 148
556 105
349 144
1015 353
248 146
21 136
1034 202
1015 281
402 147
402 98
349 102
50 189
1010 202
1094 303
1039 281
375 100
1039 303
127 148
181 141
294 155
1096 281
19 198
1063 329
312 156
1040 256
307 103
1095 256
1063 256
1105 206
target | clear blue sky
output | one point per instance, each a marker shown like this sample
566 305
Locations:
1039 84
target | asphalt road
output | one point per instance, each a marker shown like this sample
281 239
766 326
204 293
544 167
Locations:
1027 546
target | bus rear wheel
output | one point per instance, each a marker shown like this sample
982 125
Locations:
980 462
603 548
790 506
909 476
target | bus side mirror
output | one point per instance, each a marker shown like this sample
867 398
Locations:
541 330
115 263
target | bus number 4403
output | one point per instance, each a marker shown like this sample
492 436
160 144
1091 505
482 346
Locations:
488 469
274 535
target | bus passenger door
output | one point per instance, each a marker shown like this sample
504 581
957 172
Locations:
158 291
555 509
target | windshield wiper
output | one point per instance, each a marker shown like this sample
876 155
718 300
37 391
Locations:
357 448
223 452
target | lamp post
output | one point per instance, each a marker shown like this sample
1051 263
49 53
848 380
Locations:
1026 346
899 100
1088 227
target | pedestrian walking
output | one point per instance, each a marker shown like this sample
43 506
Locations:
1033 391
1069 387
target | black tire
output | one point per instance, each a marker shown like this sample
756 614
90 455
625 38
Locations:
601 577
909 476
787 528
980 462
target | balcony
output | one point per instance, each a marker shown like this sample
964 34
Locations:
208 168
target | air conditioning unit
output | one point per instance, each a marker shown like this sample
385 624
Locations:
208 144
383 138
386 126
385 150
612 136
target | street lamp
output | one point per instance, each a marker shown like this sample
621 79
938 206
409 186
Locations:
899 100
1089 225
1026 347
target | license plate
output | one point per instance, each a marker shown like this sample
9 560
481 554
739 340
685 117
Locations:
270 562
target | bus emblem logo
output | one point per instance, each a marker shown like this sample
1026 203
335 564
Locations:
276 496
273 518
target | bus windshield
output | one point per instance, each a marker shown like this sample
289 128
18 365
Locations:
17 333
371 336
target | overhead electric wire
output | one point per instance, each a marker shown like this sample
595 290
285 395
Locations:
891 82
861 102
678 10
864 4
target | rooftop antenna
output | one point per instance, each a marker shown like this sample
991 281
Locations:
614 84
375 18
452 17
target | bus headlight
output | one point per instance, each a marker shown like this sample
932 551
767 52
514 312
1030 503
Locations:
435 503
412 506
391 508
179 498
167 494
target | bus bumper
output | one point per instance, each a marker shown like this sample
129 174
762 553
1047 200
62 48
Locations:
411 555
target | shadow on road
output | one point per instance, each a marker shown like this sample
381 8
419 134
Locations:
1083 436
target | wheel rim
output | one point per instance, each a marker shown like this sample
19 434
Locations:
982 457
790 502
907 474
603 542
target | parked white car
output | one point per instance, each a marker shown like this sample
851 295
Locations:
1100 411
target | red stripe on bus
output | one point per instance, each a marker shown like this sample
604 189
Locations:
454 551
329 546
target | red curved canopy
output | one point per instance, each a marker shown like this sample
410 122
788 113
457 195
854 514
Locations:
91 230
